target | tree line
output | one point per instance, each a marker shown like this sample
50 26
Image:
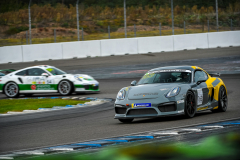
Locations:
15 5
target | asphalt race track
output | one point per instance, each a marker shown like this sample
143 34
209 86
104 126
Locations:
97 122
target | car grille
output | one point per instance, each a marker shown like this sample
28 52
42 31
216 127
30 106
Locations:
90 87
141 111
167 107
120 110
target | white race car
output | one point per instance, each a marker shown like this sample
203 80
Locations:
45 79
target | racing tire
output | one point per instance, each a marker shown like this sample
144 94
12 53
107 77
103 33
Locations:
11 90
190 105
65 87
222 100
126 120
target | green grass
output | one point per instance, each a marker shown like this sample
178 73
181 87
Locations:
33 104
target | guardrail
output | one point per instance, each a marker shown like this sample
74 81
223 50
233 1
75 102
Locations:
96 48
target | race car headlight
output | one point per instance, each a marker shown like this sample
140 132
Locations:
121 94
77 78
173 92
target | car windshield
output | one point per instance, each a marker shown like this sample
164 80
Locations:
55 71
166 76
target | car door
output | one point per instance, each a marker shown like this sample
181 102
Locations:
34 81
202 88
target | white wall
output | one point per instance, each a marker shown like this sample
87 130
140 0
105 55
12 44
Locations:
190 41
155 44
119 46
10 54
224 39
81 49
42 52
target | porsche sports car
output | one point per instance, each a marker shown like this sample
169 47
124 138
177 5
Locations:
171 91
4 72
45 79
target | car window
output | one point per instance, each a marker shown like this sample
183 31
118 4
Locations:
1 74
35 72
166 77
22 73
199 74
55 71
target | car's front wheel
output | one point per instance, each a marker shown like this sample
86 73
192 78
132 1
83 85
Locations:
65 87
190 105
11 90
126 120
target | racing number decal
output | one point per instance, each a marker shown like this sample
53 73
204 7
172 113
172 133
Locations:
200 96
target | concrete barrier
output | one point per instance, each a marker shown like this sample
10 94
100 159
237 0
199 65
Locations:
155 44
190 41
11 54
81 49
119 46
42 52
224 39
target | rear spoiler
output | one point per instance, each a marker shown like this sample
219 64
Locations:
214 74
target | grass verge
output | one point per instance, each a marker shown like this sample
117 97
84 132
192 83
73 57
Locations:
33 104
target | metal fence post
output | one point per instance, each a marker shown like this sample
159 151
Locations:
54 35
217 13
172 17
82 35
125 19
184 28
29 19
208 25
135 35
231 25
109 32
26 37
160 32
77 20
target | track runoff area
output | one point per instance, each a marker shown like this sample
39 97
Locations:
95 124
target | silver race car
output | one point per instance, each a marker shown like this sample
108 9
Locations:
171 91
45 79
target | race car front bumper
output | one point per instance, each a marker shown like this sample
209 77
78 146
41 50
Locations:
156 110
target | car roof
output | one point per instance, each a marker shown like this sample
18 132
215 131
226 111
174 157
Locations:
191 68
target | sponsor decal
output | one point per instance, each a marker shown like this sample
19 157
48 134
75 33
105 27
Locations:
180 101
80 89
141 105
149 94
33 87
202 108
200 96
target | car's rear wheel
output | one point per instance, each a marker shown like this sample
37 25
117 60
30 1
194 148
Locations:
11 90
65 87
190 105
126 120
222 99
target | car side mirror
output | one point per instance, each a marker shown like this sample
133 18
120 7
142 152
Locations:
44 74
200 80
133 83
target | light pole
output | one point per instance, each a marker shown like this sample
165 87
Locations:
77 19
125 21
29 18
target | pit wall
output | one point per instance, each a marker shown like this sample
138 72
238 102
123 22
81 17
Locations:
97 48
